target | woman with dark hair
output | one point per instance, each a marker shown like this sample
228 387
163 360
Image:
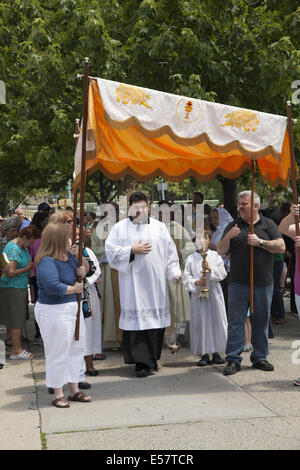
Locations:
39 220
13 288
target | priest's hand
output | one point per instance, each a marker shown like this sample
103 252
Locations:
140 248
200 282
177 279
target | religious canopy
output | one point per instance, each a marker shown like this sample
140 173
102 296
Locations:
146 133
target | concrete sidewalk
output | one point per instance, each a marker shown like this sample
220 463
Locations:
182 407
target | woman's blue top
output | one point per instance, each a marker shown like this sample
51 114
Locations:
54 277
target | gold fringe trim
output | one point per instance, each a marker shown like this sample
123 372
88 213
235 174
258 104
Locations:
204 178
166 130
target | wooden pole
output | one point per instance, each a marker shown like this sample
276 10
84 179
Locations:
82 175
293 171
76 136
251 231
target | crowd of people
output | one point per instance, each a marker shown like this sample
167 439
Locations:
140 278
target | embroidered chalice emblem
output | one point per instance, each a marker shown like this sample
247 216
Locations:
187 110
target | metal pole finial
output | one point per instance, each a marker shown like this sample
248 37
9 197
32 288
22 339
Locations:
86 59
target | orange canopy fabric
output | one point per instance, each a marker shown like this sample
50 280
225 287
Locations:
121 148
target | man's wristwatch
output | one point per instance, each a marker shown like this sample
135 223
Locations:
261 243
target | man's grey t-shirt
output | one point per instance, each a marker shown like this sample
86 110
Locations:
239 251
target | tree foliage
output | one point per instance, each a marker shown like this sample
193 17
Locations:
243 53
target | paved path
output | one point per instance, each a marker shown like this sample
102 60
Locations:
182 407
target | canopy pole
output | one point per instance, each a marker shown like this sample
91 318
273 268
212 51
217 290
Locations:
76 137
293 170
251 231
82 178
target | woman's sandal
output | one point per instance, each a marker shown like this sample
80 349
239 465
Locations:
61 402
80 396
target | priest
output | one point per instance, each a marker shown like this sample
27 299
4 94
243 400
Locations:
141 249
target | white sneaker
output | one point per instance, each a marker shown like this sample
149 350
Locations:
25 355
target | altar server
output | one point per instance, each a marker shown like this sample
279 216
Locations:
208 325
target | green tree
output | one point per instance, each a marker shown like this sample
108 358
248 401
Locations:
243 53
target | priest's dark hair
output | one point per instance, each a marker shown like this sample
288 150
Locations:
136 197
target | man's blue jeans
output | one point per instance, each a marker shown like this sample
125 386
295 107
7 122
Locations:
277 306
238 304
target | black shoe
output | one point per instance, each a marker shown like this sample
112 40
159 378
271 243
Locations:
84 385
141 370
217 359
263 365
204 361
81 385
91 373
1 366
142 373
231 368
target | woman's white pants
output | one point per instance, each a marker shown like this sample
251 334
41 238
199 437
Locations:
63 354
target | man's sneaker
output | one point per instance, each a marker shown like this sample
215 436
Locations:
263 365
231 368
297 382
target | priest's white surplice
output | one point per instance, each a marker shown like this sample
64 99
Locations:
208 324
143 281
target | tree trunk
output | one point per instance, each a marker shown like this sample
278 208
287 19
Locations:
230 195
4 206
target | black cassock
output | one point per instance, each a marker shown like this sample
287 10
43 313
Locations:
143 347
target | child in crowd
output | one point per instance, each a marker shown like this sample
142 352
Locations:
208 325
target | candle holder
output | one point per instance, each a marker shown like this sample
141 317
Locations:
204 291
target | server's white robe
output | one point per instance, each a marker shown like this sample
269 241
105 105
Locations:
143 282
93 330
208 324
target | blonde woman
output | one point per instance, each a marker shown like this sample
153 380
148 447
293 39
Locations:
56 311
